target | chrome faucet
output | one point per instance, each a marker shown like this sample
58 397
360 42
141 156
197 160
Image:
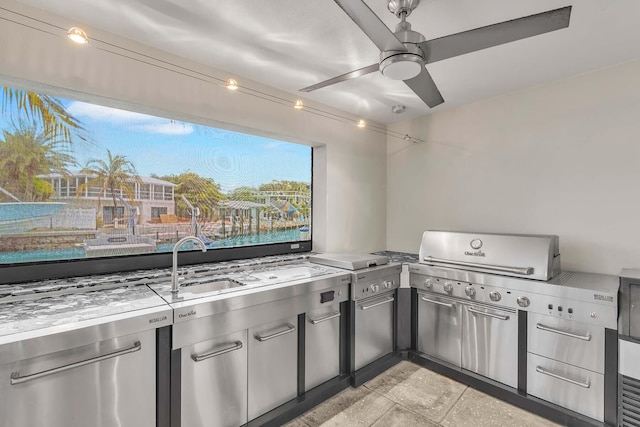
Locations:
175 284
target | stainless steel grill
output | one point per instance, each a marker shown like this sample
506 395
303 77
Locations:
475 289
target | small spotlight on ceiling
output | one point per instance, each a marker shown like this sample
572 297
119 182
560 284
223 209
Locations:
406 137
298 105
361 123
77 35
232 84
398 109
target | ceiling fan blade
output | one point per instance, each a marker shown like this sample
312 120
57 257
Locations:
496 34
347 76
424 86
371 25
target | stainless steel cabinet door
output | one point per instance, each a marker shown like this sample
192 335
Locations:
214 382
440 327
107 384
374 329
490 343
273 365
322 346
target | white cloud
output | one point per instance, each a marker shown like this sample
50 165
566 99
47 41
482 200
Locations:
172 128
136 121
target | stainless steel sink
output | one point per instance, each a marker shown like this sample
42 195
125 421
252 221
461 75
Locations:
207 287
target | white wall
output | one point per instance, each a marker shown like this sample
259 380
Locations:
350 208
562 158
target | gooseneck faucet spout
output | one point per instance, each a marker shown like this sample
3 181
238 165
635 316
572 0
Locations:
175 284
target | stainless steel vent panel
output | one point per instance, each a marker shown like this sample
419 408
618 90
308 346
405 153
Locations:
534 257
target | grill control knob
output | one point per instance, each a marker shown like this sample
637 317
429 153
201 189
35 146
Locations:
470 292
428 283
448 287
374 288
387 284
523 301
495 296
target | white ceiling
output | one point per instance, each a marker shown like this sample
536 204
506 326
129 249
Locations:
291 44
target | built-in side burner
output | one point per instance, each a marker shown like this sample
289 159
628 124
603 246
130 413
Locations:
374 284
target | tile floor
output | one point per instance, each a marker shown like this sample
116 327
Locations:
409 395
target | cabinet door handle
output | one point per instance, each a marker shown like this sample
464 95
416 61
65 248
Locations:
495 316
562 332
375 304
324 319
200 357
261 338
560 377
16 378
432 301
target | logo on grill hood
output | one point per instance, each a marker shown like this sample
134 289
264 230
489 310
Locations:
475 244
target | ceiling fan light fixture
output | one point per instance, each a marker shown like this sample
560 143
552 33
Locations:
77 35
231 84
403 66
361 124
298 105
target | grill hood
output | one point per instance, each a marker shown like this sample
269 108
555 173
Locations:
529 256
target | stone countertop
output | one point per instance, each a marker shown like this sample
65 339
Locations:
37 305
401 257
48 311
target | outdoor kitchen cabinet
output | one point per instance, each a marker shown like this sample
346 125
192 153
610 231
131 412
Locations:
214 382
273 367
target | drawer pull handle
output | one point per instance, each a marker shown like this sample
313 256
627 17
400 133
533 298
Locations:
541 370
261 338
495 316
200 357
444 304
17 379
375 304
561 332
324 319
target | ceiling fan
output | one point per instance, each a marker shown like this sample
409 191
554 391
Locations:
404 53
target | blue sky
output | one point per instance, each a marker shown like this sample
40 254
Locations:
167 147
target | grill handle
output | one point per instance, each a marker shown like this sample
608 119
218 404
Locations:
200 357
561 332
543 371
526 271
17 379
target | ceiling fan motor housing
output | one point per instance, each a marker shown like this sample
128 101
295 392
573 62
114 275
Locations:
403 65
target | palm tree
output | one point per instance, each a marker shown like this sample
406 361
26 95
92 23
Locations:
28 151
117 173
45 110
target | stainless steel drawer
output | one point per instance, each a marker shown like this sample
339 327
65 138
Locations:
574 388
322 346
440 327
575 343
214 382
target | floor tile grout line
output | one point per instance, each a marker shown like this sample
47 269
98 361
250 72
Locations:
454 404
416 412
388 410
